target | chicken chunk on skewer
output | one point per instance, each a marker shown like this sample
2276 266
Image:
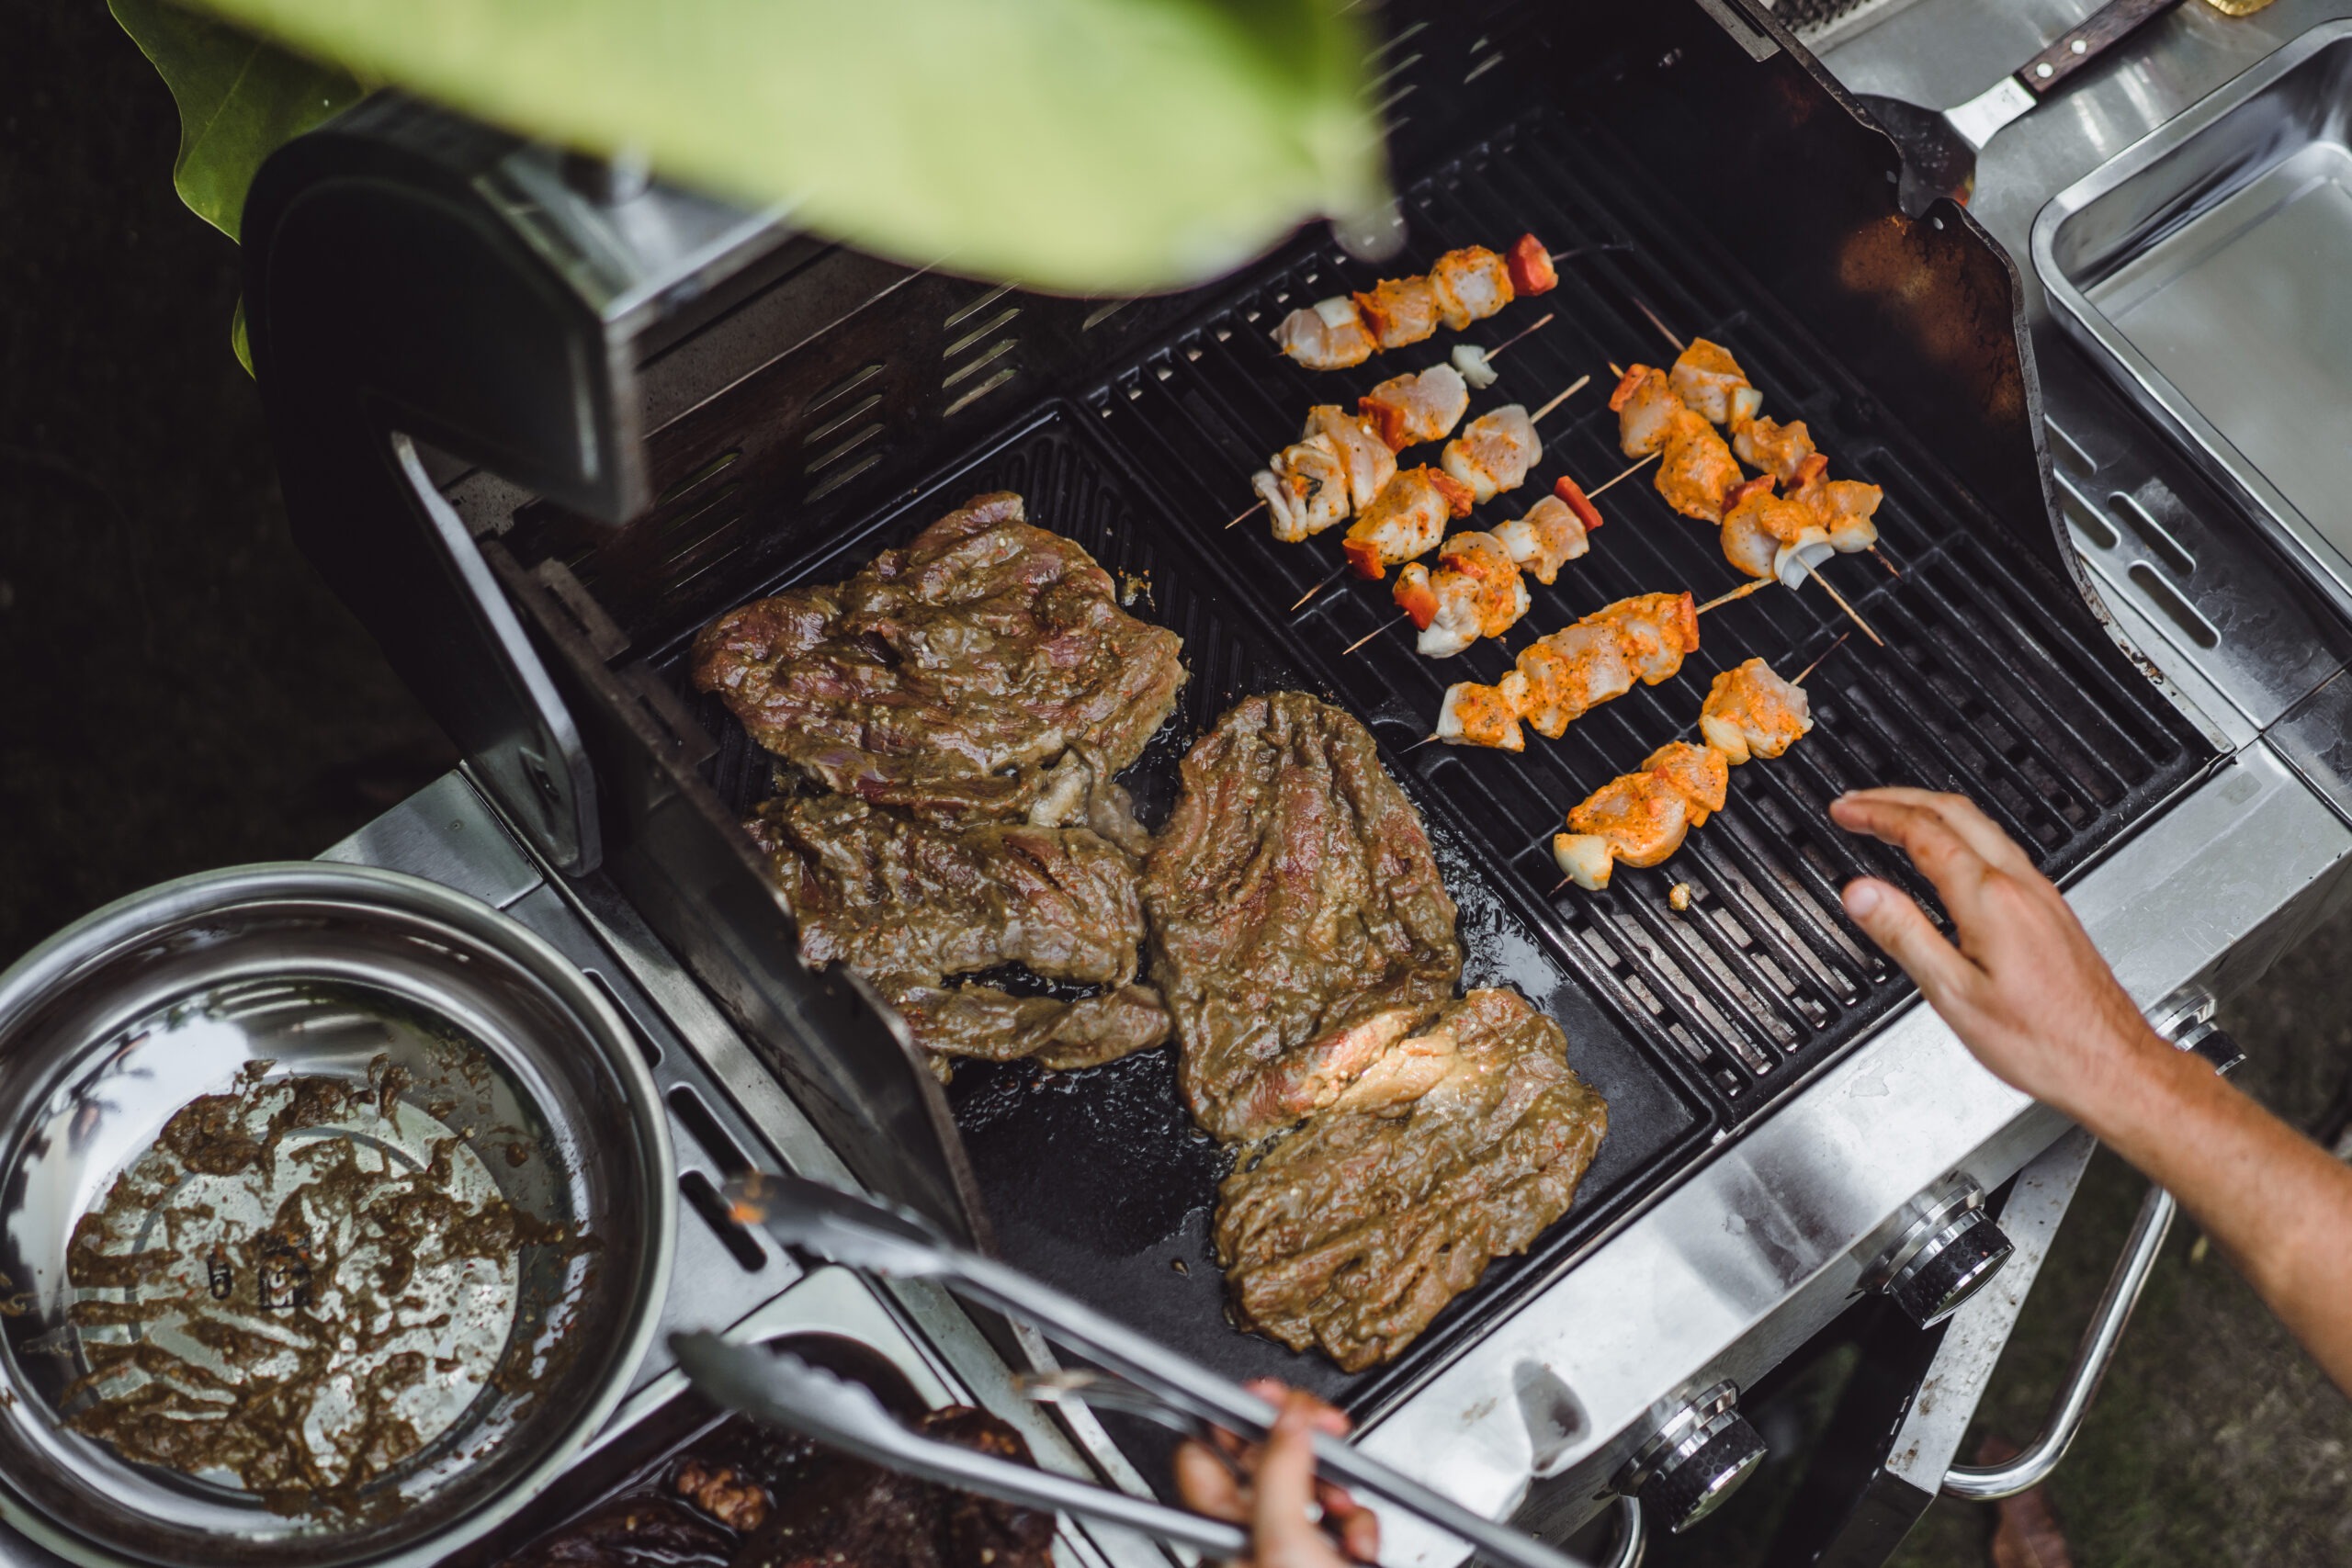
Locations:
1476 714
1844 508
1549 537
1400 311
1780 450
1418 406
1306 489
1476 592
1562 677
1329 334
1371 463
1711 383
1406 521
1698 470
1657 631
1750 712
1494 452
1641 819
1770 535
1645 407
1470 284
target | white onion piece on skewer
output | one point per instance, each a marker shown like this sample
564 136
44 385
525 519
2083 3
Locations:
1471 361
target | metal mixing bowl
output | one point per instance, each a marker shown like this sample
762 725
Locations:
486 1077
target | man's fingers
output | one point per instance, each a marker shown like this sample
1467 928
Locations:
1963 817
1903 928
1942 856
1207 1486
1283 1486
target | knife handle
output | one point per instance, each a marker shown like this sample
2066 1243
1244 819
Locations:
2107 26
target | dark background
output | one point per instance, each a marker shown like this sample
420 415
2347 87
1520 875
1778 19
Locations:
177 692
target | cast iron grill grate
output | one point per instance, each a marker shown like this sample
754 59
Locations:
1761 978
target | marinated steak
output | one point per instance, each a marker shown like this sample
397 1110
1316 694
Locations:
909 903
1294 901
949 676
1457 1143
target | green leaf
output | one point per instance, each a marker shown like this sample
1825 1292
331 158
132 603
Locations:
1087 145
239 99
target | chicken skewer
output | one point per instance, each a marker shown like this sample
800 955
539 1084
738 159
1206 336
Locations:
1558 679
1463 599
1641 819
1763 534
1463 286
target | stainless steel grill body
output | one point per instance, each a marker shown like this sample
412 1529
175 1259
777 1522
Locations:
677 412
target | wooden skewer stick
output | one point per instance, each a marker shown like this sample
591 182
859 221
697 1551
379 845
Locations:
1742 591
1538 325
1320 586
1588 250
1617 370
1851 615
1251 513
1679 344
1578 385
1370 634
1628 474
1424 741
1817 663
1891 570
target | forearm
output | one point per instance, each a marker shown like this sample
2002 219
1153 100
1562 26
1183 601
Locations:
2275 1203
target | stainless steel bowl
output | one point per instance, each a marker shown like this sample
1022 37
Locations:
465 1040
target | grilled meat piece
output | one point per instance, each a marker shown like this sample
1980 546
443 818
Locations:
948 676
994 1025
1459 1143
1291 894
908 903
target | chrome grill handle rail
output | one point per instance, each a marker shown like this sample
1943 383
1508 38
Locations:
1986 1483
2092 1358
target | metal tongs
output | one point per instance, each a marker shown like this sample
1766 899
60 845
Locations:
859 1232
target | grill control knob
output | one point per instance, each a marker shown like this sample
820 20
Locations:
1698 1459
1946 1253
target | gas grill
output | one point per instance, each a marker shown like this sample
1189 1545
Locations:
539 422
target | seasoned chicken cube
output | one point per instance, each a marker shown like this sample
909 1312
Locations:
1473 715
1779 449
1643 817
1405 520
1400 310
1370 464
1405 411
1494 452
1306 490
1570 672
1750 712
1470 284
1844 509
1701 773
1329 334
1762 526
1645 406
1476 592
1709 380
1698 470
1547 538
1656 631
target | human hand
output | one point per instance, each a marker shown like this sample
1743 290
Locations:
2024 990
1279 1484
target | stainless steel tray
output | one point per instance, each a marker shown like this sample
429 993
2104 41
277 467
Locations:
2208 267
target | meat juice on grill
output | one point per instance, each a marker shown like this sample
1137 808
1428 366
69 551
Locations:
744 1497
968 700
1393 1141
1293 894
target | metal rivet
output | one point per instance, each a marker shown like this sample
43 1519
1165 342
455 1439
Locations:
2045 69
2081 47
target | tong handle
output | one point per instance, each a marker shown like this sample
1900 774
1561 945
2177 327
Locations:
1198 1392
2108 24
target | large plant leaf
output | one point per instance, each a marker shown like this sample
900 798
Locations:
1089 145
238 99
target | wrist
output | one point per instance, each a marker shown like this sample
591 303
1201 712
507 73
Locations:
2124 1081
